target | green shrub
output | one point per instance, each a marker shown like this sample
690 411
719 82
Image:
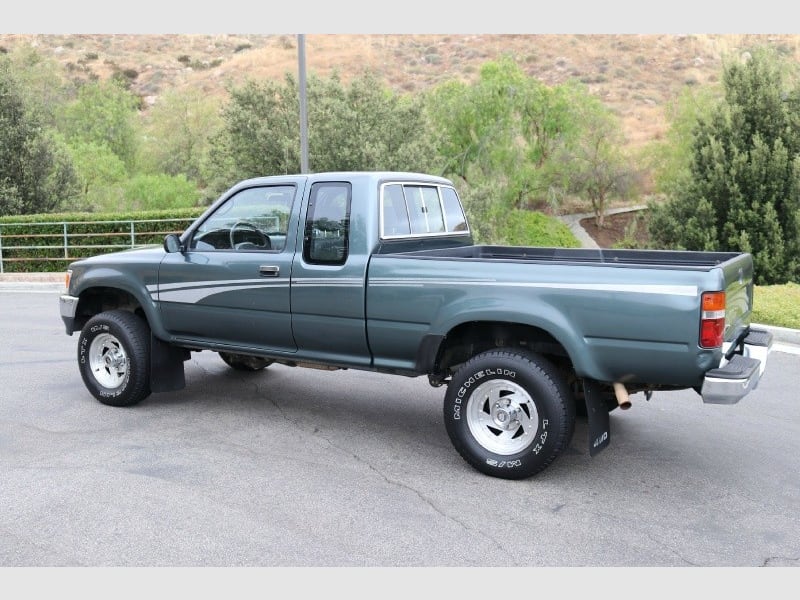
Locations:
529 228
152 192
88 234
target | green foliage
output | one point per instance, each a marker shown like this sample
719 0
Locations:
41 82
491 223
505 127
669 159
88 234
363 126
36 173
151 192
103 113
531 228
593 165
100 173
178 132
743 193
533 143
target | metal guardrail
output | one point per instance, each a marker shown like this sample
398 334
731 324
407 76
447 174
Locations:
69 238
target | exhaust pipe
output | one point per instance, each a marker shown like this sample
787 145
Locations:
623 399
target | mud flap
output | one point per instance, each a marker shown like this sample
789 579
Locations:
597 413
166 366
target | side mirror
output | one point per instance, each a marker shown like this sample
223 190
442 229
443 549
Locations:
172 243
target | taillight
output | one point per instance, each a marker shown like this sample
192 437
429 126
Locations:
67 277
712 320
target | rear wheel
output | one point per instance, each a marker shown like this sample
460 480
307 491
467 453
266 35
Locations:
509 413
243 362
114 357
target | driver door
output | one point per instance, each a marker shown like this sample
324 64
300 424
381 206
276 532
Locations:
231 284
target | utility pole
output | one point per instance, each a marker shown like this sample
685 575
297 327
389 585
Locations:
301 57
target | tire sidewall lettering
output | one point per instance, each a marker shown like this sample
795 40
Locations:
501 373
131 333
84 345
538 378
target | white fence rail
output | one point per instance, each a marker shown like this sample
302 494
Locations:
16 249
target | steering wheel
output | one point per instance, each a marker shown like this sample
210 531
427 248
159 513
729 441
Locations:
264 242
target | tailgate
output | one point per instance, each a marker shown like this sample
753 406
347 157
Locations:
737 274
745 350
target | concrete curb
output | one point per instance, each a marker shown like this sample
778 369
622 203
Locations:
32 282
781 335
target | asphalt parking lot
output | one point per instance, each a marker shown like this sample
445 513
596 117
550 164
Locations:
297 467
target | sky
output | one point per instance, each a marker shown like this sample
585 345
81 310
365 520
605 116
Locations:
404 16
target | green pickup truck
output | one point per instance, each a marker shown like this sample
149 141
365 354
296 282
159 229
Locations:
378 271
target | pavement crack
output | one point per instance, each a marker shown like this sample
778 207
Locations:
781 559
430 503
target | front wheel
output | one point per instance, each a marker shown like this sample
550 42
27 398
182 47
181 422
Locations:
508 413
114 357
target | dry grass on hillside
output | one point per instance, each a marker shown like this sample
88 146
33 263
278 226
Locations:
635 75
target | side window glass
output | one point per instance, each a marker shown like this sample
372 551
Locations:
424 209
393 209
454 215
254 219
327 224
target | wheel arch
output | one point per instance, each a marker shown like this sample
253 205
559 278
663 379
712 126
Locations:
470 338
94 299
166 361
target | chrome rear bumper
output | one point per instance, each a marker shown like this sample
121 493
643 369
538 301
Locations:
737 377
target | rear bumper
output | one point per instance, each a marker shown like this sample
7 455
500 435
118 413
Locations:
737 377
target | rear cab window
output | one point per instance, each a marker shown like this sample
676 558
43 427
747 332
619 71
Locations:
415 210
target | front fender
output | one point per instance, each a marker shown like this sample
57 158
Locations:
141 286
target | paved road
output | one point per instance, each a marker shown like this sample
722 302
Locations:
309 468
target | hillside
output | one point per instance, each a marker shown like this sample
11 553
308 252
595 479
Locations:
636 75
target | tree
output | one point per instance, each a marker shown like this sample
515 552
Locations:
100 173
152 192
475 121
669 159
505 127
594 164
525 136
745 175
362 126
104 113
41 82
36 174
178 132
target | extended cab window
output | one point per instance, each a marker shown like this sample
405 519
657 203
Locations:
415 209
327 224
255 218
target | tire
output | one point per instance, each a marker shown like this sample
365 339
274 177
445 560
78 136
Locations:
243 362
114 357
509 413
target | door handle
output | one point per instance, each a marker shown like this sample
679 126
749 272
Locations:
269 271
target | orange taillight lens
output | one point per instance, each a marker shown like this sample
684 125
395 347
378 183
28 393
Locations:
712 320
